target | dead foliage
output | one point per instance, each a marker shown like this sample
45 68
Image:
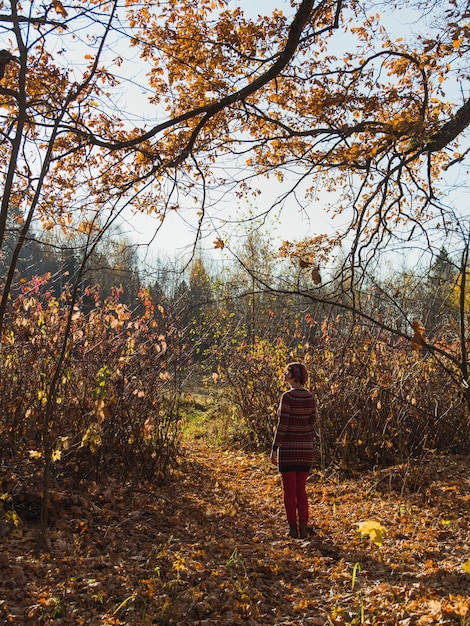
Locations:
209 547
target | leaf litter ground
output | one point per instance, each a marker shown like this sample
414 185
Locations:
209 547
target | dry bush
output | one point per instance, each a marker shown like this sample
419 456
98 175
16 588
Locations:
382 402
251 375
379 401
115 404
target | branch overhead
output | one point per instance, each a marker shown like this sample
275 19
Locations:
450 130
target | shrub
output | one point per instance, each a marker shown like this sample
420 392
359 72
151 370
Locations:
115 404
379 401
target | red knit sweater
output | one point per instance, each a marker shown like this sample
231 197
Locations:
295 430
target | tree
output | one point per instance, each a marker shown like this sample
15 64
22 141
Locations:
115 263
264 94
441 285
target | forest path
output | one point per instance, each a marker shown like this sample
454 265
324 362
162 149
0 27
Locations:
254 573
209 547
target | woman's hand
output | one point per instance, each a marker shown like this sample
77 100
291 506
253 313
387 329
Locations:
274 457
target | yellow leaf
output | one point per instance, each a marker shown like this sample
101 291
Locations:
9 337
374 529
466 567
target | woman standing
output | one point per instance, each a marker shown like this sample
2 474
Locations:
292 449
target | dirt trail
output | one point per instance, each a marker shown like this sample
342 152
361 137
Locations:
210 548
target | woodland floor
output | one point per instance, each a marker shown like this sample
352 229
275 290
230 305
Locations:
210 548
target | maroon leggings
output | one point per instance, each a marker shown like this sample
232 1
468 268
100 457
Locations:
295 496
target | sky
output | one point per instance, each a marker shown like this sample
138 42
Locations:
178 231
176 235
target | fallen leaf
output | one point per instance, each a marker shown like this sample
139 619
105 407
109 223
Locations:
374 529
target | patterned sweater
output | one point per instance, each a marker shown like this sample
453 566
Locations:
294 433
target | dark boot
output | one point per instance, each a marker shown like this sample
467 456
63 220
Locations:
303 531
293 532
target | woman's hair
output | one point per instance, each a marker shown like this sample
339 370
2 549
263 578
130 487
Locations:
299 372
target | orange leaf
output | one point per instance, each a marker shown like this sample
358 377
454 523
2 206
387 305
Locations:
419 337
59 8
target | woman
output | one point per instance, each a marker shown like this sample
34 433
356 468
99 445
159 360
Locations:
292 449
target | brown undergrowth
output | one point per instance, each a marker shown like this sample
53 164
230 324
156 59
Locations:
209 547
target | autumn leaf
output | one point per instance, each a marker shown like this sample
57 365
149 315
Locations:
59 8
304 263
8 337
466 566
218 243
100 410
374 529
316 277
92 437
419 337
